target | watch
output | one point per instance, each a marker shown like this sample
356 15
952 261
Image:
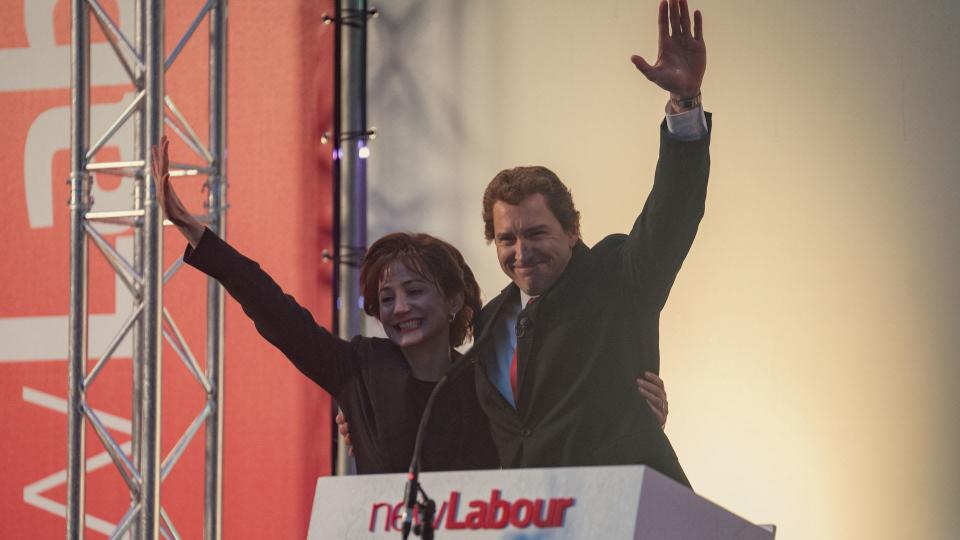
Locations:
687 103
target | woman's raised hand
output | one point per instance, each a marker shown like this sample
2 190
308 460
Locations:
174 209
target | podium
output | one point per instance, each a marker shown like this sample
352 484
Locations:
618 502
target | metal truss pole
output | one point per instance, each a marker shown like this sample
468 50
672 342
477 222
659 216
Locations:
140 151
153 60
351 151
216 209
79 201
150 323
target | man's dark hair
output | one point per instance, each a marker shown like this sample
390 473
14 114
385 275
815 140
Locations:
514 185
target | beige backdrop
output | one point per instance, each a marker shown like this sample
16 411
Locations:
809 345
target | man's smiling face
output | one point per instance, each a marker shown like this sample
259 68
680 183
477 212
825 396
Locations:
532 246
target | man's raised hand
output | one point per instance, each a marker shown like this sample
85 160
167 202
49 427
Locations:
681 53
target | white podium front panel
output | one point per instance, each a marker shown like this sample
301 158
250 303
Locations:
622 502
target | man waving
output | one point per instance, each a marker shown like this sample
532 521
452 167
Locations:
562 344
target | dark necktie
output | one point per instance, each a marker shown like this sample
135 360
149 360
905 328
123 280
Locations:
513 366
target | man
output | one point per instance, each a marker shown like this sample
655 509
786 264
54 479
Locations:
560 345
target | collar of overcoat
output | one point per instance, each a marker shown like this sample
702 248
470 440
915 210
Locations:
511 293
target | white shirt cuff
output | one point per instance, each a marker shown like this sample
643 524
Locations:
688 125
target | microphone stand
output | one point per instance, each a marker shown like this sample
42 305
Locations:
425 507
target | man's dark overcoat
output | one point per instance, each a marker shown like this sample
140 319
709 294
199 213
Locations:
584 342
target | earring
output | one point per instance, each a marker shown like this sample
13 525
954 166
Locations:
452 317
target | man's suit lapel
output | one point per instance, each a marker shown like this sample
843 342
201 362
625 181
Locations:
484 346
545 304
491 312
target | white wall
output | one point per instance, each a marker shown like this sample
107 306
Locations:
809 345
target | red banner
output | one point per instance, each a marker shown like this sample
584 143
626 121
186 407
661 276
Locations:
277 433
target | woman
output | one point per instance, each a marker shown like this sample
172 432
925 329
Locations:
426 297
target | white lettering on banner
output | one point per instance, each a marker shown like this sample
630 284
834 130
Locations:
44 338
44 64
50 133
33 493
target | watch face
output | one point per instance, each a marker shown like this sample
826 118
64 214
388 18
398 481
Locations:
682 105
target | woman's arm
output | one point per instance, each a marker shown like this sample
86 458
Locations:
278 317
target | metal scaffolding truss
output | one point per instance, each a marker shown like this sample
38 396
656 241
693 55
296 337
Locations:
350 137
149 322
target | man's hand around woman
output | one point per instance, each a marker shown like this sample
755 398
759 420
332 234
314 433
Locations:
650 386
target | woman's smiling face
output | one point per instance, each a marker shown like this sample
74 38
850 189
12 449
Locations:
412 309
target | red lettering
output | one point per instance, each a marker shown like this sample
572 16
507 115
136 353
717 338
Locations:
394 516
498 512
558 510
397 516
539 519
438 521
521 512
475 519
452 508
373 516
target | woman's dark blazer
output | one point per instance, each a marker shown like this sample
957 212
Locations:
369 377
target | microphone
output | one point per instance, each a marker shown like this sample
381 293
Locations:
410 500
413 478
